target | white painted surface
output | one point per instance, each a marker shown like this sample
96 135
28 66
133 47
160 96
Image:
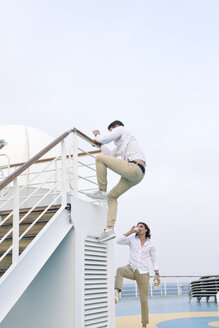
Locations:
18 277
55 298
23 142
49 300
90 220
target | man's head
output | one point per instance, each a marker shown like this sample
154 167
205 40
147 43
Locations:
114 124
144 229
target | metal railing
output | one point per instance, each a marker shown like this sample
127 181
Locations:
45 182
170 285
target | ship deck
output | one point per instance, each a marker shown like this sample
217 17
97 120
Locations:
168 312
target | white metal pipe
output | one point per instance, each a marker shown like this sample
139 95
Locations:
75 165
64 175
39 201
151 284
86 152
38 188
37 219
136 290
178 291
6 253
165 287
7 201
87 165
6 235
41 171
15 241
87 179
6 218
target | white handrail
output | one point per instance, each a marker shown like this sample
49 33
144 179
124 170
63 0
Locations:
170 285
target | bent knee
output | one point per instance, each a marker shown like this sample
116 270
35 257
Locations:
99 158
119 270
112 196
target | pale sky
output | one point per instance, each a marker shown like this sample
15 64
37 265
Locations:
154 66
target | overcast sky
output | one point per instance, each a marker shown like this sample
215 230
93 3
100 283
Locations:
151 64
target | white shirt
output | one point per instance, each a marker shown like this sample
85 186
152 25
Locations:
140 257
126 145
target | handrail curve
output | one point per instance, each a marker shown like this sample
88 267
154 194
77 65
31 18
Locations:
36 157
32 160
88 139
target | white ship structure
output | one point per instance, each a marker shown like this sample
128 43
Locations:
53 271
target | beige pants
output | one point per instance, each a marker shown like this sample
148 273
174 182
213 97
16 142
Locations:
142 282
131 174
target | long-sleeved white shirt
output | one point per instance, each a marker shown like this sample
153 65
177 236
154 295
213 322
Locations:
126 145
140 257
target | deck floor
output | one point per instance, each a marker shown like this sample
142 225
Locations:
168 312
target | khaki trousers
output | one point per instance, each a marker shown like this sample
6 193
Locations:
130 173
143 284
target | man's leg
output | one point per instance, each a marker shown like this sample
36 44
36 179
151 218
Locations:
114 194
131 175
125 169
143 283
122 272
117 165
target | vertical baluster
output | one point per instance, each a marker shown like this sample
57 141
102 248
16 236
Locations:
75 164
178 291
15 240
165 287
64 174
136 290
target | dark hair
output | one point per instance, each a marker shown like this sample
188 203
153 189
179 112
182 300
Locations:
148 232
114 124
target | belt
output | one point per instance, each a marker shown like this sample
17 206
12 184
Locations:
140 165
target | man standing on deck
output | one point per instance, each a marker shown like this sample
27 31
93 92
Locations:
131 168
141 253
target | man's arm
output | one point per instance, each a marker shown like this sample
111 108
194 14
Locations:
124 240
109 137
154 261
130 231
106 151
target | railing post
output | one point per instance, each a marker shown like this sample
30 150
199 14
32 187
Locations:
56 176
178 286
151 284
136 290
165 287
64 174
15 242
75 164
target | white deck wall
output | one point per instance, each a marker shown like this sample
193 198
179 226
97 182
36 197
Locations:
49 299
55 296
